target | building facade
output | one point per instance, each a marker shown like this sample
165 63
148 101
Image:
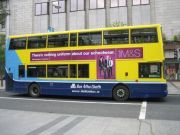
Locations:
3 8
32 16
172 61
35 16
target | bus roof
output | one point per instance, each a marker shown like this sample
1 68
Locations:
85 30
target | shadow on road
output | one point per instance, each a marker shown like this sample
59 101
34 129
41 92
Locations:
91 99
170 99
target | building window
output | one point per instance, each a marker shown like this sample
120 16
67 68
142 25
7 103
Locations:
96 4
77 5
38 9
58 6
44 9
140 2
118 3
41 8
172 71
3 4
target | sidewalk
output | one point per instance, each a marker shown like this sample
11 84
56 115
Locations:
15 122
173 88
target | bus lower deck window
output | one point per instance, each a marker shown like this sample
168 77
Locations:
73 71
36 71
83 71
58 71
21 71
149 70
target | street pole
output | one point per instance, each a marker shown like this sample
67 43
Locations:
1 78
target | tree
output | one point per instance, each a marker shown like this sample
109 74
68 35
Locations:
117 24
3 12
2 54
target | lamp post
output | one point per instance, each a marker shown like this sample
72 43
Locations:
1 76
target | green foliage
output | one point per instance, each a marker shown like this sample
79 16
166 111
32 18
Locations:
117 24
3 12
2 54
175 38
2 16
2 39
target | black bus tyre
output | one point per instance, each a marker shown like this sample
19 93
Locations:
121 93
34 90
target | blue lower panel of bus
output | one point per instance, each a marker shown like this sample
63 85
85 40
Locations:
92 89
148 90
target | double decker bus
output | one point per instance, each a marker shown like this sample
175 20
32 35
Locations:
120 62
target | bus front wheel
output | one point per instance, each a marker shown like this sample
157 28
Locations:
121 93
34 90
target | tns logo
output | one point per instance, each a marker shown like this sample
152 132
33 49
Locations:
73 86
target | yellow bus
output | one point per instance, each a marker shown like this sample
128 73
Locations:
120 62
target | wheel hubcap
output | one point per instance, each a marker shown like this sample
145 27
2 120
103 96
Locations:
35 91
120 93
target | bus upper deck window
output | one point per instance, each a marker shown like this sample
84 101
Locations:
116 37
147 35
90 38
73 39
17 43
37 42
60 40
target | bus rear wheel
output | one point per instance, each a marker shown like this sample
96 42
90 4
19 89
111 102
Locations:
34 90
121 93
